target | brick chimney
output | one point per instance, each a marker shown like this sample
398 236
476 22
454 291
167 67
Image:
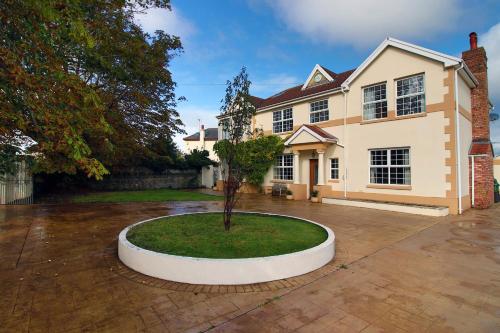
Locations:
481 152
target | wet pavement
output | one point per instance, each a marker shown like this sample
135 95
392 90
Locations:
59 272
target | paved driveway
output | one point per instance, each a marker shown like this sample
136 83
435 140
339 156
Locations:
394 272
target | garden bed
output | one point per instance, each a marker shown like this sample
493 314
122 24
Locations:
194 248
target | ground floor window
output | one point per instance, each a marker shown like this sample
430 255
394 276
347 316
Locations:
283 168
390 166
334 168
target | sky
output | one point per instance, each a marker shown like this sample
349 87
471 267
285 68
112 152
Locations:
280 41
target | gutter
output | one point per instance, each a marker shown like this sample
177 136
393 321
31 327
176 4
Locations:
457 143
292 101
344 151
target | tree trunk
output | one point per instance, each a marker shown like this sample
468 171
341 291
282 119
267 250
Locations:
229 193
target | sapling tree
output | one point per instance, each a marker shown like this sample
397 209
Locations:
245 155
237 111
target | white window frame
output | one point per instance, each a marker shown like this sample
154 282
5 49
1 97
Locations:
280 164
327 110
396 97
389 165
283 120
363 102
337 168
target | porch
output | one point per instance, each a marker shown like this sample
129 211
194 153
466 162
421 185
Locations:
312 150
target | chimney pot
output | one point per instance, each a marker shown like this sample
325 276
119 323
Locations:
473 40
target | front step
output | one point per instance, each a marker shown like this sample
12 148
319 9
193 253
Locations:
393 207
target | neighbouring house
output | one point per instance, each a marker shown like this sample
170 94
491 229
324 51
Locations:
409 127
205 140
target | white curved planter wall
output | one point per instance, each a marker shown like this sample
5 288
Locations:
225 271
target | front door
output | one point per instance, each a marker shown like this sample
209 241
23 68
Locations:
313 173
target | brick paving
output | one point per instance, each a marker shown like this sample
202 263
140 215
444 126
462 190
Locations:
394 272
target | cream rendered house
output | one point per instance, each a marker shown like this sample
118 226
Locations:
398 129
203 140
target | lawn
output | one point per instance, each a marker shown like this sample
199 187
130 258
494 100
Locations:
146 195
203 235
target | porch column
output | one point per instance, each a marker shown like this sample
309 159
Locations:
321 167
296 170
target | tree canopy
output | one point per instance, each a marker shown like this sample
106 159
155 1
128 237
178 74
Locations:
83 81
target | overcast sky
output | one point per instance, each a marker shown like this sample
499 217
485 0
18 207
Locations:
280 41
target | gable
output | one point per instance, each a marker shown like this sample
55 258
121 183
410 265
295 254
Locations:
303 137
319 75
415 50
317 79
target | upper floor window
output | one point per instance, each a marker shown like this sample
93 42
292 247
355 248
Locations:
319 111
283 168
375 102
390 166
224 125
282 121
334 168
410 95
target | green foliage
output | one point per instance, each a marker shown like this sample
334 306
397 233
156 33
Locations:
198 159
252 235
253 157
8 159
84 82
314 193
237 111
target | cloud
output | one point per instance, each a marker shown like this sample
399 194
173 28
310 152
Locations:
274 84
172 22
364 23
491 42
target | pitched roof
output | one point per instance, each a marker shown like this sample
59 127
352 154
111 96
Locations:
211 134
344 79
256 101
298 92
321 132
314 131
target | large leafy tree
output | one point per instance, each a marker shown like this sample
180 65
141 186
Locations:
84 82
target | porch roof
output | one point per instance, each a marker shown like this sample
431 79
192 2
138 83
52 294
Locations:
310 134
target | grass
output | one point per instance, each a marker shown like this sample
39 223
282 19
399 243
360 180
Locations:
146 195
203 235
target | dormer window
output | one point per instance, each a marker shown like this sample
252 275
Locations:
319 111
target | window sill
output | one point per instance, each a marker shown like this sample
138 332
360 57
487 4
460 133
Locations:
333 180
281 181
389 187
415 115
393 117
282 133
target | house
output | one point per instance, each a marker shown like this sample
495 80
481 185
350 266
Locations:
409 127
203 140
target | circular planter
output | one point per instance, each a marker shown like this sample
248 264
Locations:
314 199
224 271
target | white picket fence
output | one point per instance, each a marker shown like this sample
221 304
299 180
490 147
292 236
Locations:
17 189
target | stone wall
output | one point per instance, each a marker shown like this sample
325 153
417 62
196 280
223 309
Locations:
175 179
